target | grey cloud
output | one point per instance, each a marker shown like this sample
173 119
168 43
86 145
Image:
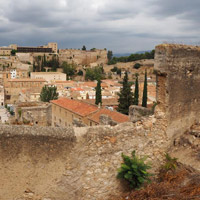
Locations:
119 25
186 9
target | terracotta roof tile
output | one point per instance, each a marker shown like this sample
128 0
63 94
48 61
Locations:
115 116
105 102
75 106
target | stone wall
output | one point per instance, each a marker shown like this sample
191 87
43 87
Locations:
34 113
70 164
80 57
138 112
178 69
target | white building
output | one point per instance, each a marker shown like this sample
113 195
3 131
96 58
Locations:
49 76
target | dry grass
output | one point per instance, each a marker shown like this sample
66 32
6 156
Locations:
180 184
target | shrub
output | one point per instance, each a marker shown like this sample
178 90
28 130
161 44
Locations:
134 171
170 163
137 66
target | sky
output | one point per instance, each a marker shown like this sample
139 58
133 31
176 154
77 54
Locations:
123 26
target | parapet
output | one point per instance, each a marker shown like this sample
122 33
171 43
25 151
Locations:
178 85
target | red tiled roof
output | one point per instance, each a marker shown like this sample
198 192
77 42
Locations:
75 106
115 116
93 84
105 102
77 89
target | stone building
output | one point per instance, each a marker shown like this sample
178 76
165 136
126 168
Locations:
5 51
107 117
53 46
69 112
13 88
49 76
33 113
65 111
80 57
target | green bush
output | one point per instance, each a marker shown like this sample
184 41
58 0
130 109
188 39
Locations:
134 171
170 163
137 66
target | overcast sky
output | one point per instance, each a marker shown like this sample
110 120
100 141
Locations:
119 25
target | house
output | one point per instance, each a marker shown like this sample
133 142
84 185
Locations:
49 76
65 112
13 87
107 117
70 112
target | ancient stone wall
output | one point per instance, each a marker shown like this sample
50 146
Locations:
37 113
70 164
80 57
178 70
138 112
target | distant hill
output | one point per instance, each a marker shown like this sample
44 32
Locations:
128 54
121 54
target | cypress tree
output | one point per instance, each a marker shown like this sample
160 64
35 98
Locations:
98 93
125 96
45 61
136 94
144 98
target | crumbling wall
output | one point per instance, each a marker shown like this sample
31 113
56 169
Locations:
138 112
106 120
70 164
178 71
40 114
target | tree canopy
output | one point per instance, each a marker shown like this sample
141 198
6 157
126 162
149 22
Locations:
109 55
144 98
95 73
68 69
136 93
84 48
132 57
48 93
98 97
125 96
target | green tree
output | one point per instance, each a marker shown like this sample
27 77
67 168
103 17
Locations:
94 73
137 65
98 97
53 63
144 98
13 52
34 67
44 60
109 55
136 94
80 72
125 96
68 69
84 48
48 93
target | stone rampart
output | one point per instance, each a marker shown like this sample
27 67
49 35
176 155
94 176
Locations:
178 75
70 164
